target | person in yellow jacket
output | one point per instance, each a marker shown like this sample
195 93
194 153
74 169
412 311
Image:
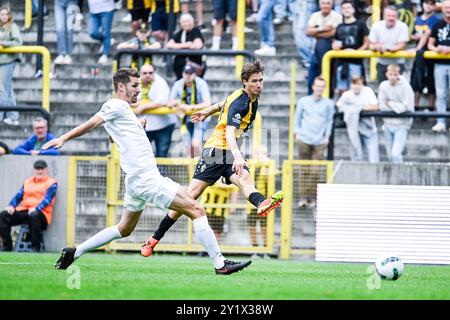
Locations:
32 205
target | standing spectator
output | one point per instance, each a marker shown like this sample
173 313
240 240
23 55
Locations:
283 10
190 94
350 35
188 37
101 14
396 94
422 72
33 205
35 9
362 132
155 94
64 34
388 35
253 17
221 9
198 11
302 14
142 40
32 146
313 122
267 31
160 18
322 26
140 11
440 42
9 37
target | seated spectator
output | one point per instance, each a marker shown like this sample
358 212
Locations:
440 42
160 10
362 132
267 30
223 8
32 205
154 94
9 37
188 37
101 14
140 11
322 26
189 94
3 149
33 144
422 72
350 35
388 35
64 34
313 122
142 40
396 94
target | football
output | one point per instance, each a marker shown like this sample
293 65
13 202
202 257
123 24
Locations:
389 267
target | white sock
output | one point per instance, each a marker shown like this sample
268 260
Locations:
216 42
103 237
234 42
206 237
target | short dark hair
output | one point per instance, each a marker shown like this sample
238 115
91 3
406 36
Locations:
123 75
348 2
251 68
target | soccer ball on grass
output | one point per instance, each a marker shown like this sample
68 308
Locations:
389 267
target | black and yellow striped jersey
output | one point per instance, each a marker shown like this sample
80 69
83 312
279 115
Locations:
240 112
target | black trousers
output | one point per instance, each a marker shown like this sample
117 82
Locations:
36 222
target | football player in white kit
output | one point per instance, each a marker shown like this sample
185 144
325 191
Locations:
143 182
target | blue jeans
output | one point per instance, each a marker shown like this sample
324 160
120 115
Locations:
301 15
284 8
7 97
35 7
442 82
353 70
265 22
163 139
64 36
364 144
395 142
103 20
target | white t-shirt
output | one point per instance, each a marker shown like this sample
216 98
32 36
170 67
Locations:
136 154
318 19
97 6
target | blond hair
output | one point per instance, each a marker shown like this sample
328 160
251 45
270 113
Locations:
10 20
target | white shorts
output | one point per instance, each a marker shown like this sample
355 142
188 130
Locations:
149 187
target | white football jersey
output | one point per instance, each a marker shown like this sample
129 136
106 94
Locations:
136 154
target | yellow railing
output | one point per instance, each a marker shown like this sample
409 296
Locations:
332 54
28 14
376 16
240 25
292 112
46 60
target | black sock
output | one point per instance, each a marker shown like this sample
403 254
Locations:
165 225
256 198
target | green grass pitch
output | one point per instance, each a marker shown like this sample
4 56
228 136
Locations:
176 277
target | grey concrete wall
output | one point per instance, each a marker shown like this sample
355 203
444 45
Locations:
13 172
423 174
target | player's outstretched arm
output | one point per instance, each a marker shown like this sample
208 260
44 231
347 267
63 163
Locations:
82 129
201 115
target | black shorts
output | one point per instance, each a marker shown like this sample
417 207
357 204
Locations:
140 14
214 164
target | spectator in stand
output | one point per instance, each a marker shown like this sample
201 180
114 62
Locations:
422 72
198 11
284 10
142 40
388 35
362 132
253 17
305 8
396 94
267 31
188 37
160 10
140 11
189 94
9 37
32 205
101 14
32 146
64 11
322 26
221 9
440 42
350 35
155 94
35 7
4 149
313 122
